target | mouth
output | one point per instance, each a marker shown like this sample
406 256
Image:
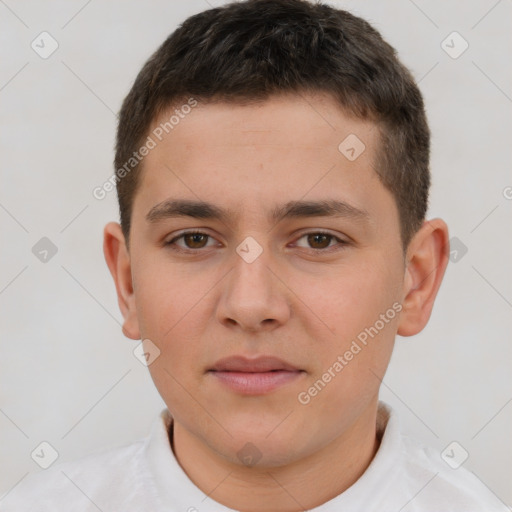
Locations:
254 376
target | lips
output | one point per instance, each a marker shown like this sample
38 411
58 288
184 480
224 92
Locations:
254 376
259 365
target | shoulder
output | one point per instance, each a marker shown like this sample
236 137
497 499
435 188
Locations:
417 478
92 482
443 486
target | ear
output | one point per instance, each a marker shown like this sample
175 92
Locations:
426 261
118 261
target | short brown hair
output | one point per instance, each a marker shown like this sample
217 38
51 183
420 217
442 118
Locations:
246 51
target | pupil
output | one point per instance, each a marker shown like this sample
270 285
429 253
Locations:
196 238
313 239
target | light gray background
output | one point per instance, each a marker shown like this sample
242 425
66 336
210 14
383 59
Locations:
68 375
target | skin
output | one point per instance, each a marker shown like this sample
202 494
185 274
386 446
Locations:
303 299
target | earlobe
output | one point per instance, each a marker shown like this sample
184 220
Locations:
118 261
427 259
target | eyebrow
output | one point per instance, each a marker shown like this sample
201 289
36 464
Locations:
172 208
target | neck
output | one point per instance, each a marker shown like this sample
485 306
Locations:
303 484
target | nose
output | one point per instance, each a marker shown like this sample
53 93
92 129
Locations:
253 297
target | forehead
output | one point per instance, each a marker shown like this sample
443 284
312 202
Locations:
258 156
303 120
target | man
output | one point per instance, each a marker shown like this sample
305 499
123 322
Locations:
272 169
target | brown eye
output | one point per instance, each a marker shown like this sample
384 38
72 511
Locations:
195 240
319 240
191 241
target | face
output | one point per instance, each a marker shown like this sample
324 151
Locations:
275 302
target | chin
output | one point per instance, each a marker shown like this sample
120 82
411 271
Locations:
253 447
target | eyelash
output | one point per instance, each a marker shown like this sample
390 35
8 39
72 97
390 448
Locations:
341 243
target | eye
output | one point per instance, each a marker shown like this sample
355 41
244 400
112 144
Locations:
320 240
193 240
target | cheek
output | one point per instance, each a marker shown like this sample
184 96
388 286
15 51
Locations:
348 298
166 299
171 322
173 310
359 305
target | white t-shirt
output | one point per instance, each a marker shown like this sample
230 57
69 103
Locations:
145 477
